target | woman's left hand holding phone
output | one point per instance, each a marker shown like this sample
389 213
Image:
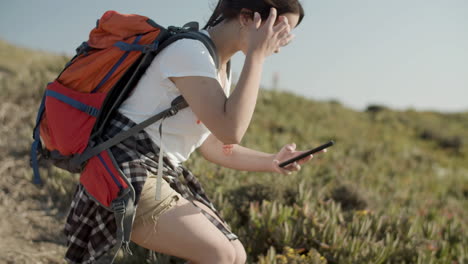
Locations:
288 152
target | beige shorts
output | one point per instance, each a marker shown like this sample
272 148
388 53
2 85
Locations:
148 209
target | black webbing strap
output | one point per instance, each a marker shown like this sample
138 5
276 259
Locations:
220 225
124 212
178 104
209 44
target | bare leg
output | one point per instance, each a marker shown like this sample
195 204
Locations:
183 231
241 256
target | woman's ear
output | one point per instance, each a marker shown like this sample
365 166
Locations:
245 17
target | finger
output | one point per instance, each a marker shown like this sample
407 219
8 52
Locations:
287 147
285 41
284 37
271 18
257 20
293 167
306 159
284 33
279 169
276 166
298 167
291 147
281 26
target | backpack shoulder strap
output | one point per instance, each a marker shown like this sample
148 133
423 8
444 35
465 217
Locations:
190 31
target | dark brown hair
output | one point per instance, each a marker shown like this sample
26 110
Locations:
228 9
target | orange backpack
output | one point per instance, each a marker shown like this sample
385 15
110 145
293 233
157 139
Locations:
77 105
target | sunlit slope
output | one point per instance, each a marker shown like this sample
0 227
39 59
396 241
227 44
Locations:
393 189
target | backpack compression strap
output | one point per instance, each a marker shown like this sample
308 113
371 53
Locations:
178 104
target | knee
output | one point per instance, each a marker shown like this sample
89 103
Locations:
221 254
225 254
241 255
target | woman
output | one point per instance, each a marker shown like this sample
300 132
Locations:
183 222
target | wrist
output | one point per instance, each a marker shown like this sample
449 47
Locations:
255 56
270 165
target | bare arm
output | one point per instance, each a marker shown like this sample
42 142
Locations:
229 118
246 159
241 158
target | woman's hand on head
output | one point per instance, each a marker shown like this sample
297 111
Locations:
266 38
286 153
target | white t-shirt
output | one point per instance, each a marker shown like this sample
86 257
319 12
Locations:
182 134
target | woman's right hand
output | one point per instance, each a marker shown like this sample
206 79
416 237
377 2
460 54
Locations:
264 40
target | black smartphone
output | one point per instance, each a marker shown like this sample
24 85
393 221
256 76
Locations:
305 154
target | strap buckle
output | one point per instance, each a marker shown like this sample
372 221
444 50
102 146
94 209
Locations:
118 206
83 49
173 111
177 30
151 47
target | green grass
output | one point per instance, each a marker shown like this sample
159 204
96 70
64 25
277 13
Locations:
393 189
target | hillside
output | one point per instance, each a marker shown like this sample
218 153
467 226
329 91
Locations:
394 189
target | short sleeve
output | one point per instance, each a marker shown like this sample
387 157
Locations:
187 57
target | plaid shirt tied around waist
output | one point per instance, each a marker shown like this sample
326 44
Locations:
91 229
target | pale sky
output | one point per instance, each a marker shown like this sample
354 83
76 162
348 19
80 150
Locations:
399 53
